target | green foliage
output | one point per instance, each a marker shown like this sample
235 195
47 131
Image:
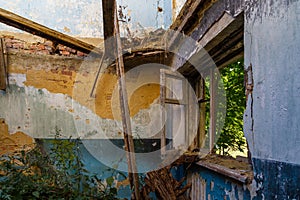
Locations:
59 175
232 136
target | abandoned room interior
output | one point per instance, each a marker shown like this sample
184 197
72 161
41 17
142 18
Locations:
144 99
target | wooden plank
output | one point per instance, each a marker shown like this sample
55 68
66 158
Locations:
163 117
164 185
225 171
216 29
128 138
187 103
34 28
3 65
173 101
222 30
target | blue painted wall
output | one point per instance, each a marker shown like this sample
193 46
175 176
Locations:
272 117
276 180
217 186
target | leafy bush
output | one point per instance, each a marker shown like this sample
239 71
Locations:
232 136
59 175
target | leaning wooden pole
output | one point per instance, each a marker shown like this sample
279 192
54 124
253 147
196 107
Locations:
128 139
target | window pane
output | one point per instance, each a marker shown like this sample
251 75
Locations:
174 88
176 124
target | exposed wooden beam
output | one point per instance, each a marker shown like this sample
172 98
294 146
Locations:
108 18
223 43
191 6
217 26
32 27
108 7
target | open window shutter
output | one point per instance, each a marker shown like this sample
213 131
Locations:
174 100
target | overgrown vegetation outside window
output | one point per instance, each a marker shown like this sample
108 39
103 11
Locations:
232 137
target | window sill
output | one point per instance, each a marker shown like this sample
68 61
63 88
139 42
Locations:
229 167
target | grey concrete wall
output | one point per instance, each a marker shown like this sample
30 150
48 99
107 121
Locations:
272 43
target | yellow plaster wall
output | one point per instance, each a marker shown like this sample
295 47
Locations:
64 80
55 81
104 93
12 142
108 107
71 75
143 97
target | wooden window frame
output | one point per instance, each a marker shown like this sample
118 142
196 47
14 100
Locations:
164 74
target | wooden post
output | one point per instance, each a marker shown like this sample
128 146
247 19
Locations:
109 42
200 89
3 65
212 108
128 138
163 117
108 7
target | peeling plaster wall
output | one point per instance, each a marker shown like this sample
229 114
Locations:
272 48
211 185
272 117
9 143
49 91
84 18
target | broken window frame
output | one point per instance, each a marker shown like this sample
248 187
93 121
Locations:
202 135
206 136
165 100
